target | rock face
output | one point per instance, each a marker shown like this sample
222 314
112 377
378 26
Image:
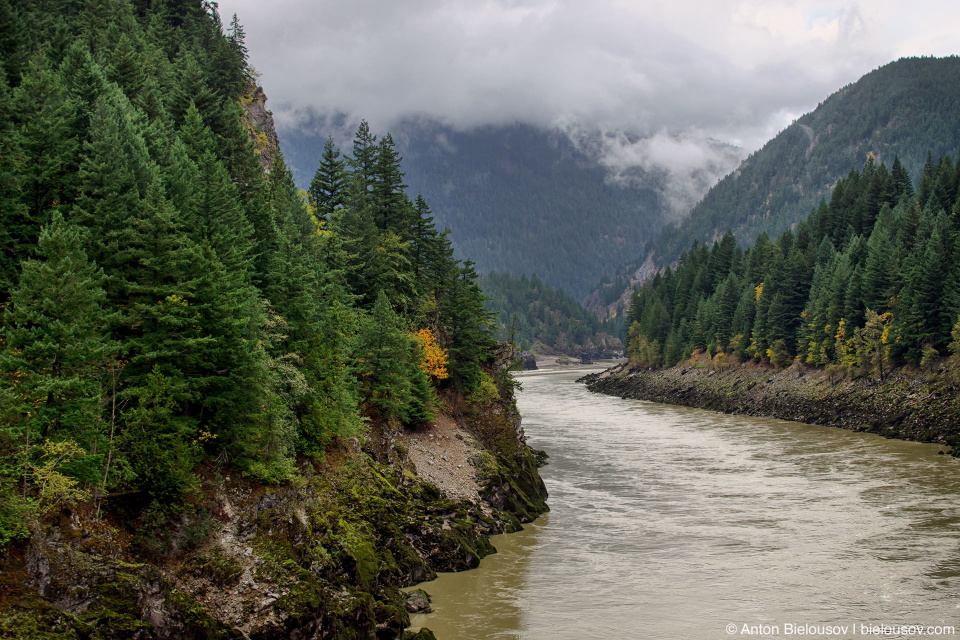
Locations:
528 361
908 404
322 557
258 122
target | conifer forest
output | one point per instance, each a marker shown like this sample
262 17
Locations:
168 305
867 282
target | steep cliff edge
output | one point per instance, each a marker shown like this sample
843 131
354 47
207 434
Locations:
322 557
258 121
908 404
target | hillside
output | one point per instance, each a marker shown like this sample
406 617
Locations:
545 320
866 283
904 109
211 389
519 199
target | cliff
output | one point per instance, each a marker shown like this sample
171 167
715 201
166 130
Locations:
909 404
322 557
258 121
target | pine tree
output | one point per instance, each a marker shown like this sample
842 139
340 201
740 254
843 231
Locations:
192 87
363 166
236 38
332 408
383 363
390 202
126 68
329 182
466 324
47 145
56 342
15 224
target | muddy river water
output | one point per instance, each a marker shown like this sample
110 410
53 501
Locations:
678 523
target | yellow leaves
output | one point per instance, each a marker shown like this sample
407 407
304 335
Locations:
56 488
205 436
759 291
434 357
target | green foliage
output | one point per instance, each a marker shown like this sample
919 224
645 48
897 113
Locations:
896 113
167 305
955 344
392 383
529 312
486 390
867 282
520 199
641 350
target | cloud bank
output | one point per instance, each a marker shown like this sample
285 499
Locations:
670 76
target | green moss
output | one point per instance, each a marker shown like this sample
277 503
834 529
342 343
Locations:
41 621
195 617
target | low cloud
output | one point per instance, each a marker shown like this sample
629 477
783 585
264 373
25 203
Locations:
684 166
685 73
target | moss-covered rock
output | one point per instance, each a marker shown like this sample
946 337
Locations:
324 556
908 404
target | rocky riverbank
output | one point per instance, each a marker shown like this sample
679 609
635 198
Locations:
322 557
909 404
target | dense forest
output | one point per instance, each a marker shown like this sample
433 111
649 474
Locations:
165 304
545 320
867 282
519 199
904 109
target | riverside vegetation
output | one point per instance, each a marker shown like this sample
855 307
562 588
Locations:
205 375
859 302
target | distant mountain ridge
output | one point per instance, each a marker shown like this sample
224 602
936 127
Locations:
520 199
906 109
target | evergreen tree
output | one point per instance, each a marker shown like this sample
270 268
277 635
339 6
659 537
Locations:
363 166
383 370
329 182
47 145
56 346
16 228
390 202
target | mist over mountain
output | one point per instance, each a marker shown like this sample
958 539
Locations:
905 109
567 204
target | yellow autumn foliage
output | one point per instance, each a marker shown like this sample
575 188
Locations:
434 357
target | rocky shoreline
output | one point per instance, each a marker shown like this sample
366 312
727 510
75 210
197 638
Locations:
909 404
323 557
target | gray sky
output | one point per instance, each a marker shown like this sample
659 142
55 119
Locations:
678 72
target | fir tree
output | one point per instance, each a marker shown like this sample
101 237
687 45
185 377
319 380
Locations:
56 342
329 182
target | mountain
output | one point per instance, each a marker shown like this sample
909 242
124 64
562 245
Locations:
545 320
207 383
519 198
905 109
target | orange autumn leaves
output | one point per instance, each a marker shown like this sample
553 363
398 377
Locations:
434 356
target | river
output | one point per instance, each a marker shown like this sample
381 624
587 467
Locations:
676 523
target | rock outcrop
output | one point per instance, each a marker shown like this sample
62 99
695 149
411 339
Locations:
908 404
258 121
325 556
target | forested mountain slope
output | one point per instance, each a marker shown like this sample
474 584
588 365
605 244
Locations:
905 109
545 320
518 199
203 373
867 282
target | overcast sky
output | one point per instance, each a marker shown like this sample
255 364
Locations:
735 71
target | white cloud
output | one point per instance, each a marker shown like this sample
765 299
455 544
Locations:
674 73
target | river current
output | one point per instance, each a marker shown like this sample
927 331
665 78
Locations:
678 523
